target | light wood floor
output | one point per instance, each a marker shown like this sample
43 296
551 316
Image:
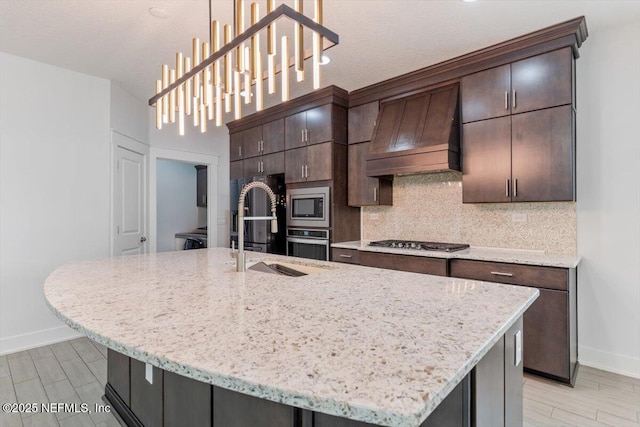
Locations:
76 372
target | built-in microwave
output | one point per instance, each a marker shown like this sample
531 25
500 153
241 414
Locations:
308 207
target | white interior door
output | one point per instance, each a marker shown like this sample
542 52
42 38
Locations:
129 196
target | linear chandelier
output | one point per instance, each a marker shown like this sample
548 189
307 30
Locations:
219 77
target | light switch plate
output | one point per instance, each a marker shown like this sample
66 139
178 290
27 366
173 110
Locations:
518 356
148 372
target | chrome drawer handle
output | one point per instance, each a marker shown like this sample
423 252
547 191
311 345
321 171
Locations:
497 273
346 256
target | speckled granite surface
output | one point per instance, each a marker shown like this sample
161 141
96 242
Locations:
374 345
512 256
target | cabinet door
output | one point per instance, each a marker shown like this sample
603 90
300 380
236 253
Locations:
252 167
235 146
294 162
146 398
236 169
546 334
320 124
362 189
251 142
414 264
201 185
294 127
486 94
118 374
273 163
486 161
543 155
542 81
362 120
273 136
187 402
319 162
233 409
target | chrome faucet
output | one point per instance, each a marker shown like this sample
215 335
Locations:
240 259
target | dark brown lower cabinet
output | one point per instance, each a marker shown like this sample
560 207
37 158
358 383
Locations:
233 409
415 264
146 397
118 374
187 402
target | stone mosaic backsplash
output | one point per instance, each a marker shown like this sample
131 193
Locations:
429 207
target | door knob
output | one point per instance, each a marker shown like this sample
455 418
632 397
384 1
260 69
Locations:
143 239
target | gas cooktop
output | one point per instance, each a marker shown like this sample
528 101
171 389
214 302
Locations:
426 246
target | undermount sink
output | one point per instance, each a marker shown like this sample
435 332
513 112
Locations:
276 268
291 269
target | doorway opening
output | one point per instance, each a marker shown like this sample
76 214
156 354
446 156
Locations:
181 207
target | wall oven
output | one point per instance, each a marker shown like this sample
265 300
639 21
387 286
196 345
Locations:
308 207
313 244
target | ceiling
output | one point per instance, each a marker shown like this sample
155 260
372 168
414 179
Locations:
119 40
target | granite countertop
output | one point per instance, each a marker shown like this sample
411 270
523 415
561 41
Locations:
513 256
373 345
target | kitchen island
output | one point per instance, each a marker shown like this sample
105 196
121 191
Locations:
343 345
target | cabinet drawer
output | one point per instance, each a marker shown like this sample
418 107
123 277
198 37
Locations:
515 274
349 256
414 264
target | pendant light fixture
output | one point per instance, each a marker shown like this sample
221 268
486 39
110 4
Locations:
218 75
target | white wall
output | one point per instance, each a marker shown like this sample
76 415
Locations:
54 188
214 142
129 114
608 207
176 202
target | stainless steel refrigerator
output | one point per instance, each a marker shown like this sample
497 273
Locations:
257 234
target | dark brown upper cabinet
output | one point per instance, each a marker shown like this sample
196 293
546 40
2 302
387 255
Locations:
535 83
362 121
309 127
364 190
269 164
521 149
259 140
236 146
418 133
312 163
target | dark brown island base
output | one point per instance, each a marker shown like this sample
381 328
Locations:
490 395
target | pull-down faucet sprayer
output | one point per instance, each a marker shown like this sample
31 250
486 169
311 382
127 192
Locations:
240 258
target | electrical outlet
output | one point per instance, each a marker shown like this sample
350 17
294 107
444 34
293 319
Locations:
519 217
374 216
222 220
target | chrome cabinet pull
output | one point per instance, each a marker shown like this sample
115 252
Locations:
346 256
506 187
506 99
302 135
302 171
306 171
498 273
262 146
515 188
240 150
513 101
375 194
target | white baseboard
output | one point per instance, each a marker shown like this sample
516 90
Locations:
616 363
36 339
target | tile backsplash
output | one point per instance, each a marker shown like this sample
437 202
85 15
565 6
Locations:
429 207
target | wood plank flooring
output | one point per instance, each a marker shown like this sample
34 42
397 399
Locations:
68 372
76 372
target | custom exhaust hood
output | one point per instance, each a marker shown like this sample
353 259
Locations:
416 134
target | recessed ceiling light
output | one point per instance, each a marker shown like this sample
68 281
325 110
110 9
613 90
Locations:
156 12
325 60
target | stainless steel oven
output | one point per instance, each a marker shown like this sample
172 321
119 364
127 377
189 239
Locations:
313 244
308 207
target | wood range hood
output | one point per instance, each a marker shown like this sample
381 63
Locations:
417 133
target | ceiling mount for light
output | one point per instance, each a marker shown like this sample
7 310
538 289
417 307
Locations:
205 83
